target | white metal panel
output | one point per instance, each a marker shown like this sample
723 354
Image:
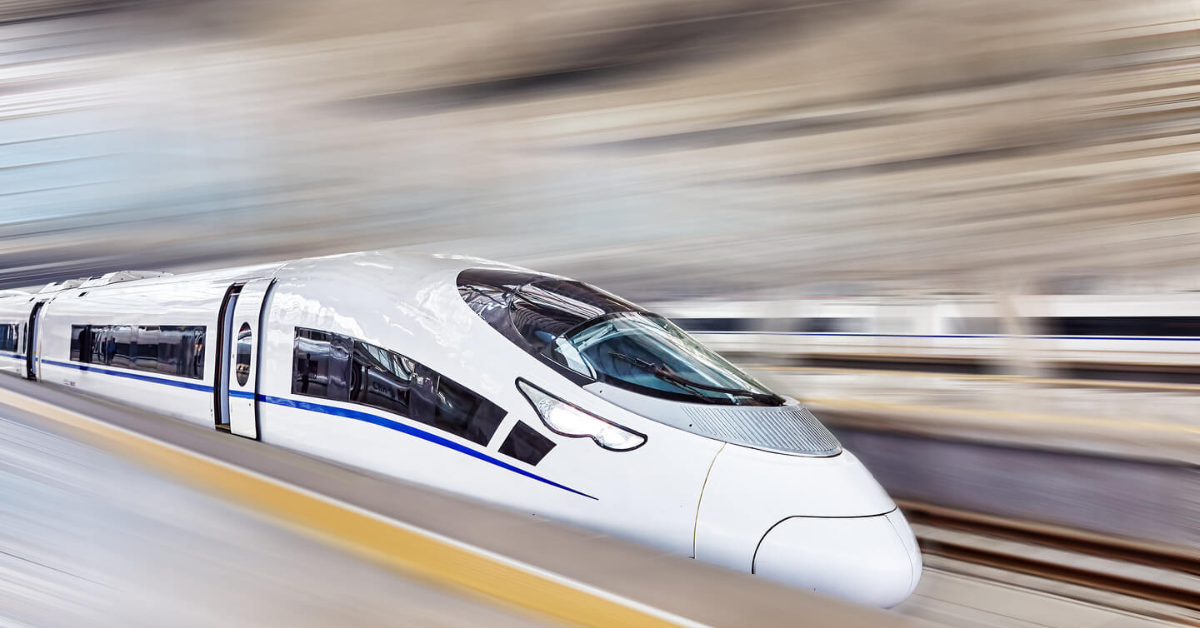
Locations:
243 375
748 491
861 559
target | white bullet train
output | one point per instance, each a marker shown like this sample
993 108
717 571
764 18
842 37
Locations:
529 390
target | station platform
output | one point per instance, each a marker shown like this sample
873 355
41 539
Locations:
84 467
106 526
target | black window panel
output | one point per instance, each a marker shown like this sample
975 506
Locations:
526 444
340 368
146 349
532 309
76 331
8 337
167 349
193 353
101 345
321 365
463 413
1156 326
81 343
123 346
173 345
380 378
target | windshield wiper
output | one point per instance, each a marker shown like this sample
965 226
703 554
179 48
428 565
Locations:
666 373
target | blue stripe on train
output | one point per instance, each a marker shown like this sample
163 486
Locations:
345 413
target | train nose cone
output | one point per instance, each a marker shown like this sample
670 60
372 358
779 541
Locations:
870 560
816 522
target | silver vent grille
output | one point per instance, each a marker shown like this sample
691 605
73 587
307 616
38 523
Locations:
786 429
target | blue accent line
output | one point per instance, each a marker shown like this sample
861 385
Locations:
367 417
331 410
137 376
802 333
12 355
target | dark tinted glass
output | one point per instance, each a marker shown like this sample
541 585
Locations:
122 354
146 358
533 309
322 364
650 355
101 347
380 379
8 338
1186 326
463 413
167 349
344 369
245 342
526 444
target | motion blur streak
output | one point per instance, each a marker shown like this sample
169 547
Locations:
965 230
959 144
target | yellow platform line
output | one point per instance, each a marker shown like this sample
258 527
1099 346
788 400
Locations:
843 404
408 549
1082 383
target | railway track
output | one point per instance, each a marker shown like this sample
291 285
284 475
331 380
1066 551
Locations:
1162 574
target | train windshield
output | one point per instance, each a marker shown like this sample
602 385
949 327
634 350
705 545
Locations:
647 353
593 336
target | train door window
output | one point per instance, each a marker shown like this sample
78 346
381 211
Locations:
245 340
146 348
463 413
123 346
526 444
192 358
8 337
380 379
321 364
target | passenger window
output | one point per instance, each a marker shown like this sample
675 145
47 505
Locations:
147 349
122 346
321 365
526 444
245 341
192 360
380 379
8 337
463 413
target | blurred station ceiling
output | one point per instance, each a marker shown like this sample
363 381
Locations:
662 148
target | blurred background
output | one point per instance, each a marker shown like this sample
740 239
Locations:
965 232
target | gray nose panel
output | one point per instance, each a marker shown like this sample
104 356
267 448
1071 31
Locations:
785 429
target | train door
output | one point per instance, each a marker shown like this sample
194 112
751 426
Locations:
240 350
31 336
224 352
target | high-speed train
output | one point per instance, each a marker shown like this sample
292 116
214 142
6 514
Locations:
525 389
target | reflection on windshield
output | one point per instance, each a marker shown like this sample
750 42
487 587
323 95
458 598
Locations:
648 354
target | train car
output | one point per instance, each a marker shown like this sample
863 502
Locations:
862 329
524 389
1145 337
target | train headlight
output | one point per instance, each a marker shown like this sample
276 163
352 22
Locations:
565 419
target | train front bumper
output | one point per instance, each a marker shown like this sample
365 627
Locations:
820 523
870 560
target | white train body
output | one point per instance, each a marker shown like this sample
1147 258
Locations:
316 355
